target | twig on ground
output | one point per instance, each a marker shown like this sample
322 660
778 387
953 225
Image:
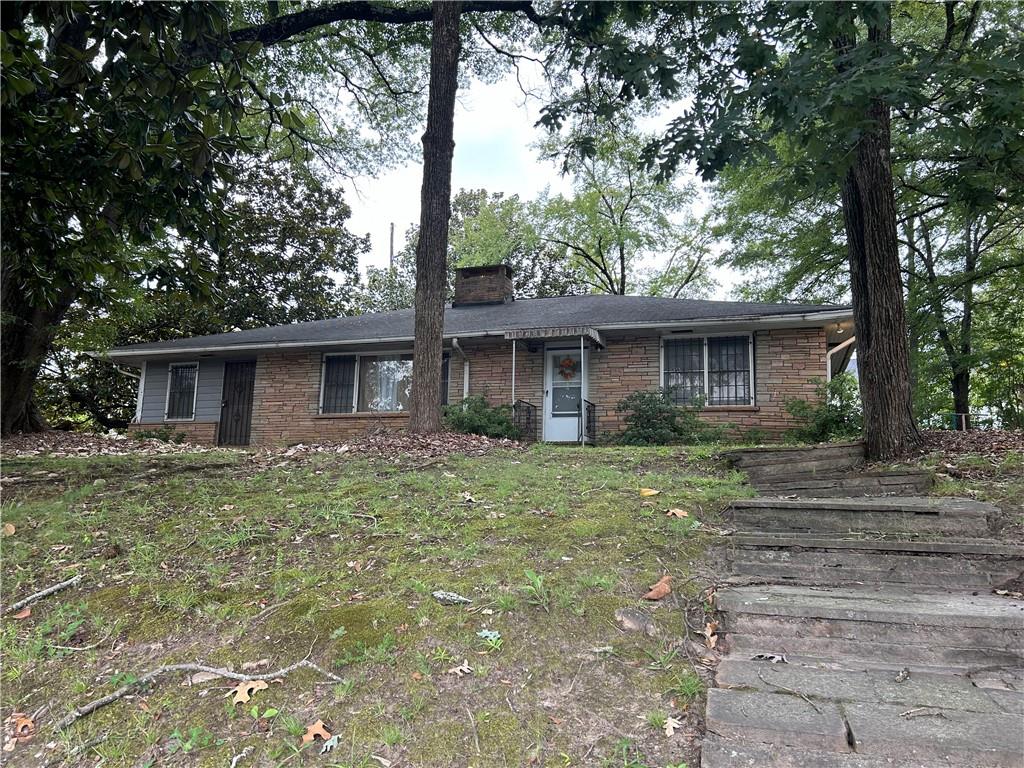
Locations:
573 683
44 593
788 690
124 690
922 712
80 648
476 736
592 490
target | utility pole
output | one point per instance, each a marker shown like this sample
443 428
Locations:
391 259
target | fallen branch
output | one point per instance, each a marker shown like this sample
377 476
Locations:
44 593
124 690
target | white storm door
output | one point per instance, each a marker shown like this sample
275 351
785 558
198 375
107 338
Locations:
564 391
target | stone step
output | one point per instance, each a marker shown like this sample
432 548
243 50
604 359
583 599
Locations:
891 514
892 623
745 458
765 723
844 682
798 468
859 484
922 564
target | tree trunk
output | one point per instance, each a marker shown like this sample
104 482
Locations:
869 213
28 332
961 386
435 210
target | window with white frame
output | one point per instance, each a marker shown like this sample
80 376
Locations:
371 383
182 379
716 370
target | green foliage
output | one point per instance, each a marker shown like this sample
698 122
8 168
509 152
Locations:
475 416
620 218
536 590
164 434
653 419
835 414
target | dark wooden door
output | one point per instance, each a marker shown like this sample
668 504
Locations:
236 407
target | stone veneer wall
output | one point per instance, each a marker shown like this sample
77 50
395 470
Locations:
287 387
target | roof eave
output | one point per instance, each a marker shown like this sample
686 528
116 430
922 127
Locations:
826 316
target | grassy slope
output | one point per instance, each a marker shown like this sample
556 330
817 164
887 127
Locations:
182 555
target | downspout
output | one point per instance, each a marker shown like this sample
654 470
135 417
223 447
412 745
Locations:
465 367
828 356
513 371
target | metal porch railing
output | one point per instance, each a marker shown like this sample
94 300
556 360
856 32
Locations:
588 422
524 419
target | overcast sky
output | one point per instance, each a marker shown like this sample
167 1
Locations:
494 137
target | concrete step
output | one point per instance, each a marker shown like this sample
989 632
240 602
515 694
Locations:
891 623
767 726
907 483
891 514
807 559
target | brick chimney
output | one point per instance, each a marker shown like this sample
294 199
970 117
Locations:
483 285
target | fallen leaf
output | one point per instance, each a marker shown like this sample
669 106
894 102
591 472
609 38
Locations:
660 589
771 658
676 512
709 633
9 529
24 727
245 689
330 744
672 725
648 492
200 677
462 669
316 729
24 613
250 666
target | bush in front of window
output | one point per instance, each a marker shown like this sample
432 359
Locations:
835 415
474 416
653 419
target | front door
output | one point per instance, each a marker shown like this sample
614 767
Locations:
565 387
236 406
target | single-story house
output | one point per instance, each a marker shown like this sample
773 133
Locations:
563 362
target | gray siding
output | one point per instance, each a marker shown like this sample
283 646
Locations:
208 394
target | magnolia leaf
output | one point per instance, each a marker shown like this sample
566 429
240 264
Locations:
648 492
245 689
9 529
24 613
672 724
660 589
316 729
675 512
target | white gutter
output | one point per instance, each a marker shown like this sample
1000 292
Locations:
823 317
828 356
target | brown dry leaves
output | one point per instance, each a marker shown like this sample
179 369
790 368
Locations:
660 589
245 689
20 727
317 729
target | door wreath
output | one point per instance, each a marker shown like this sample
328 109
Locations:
567 368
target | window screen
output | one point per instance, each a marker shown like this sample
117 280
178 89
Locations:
181 391
684 370
339 380
729 370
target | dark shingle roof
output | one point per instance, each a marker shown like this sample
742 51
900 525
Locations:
598 311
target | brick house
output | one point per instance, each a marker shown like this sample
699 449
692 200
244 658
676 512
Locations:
563 362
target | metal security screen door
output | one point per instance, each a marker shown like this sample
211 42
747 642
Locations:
564 390
236 407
